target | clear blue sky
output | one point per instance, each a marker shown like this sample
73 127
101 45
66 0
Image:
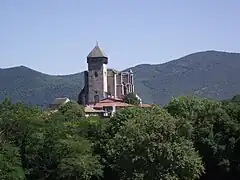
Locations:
55 36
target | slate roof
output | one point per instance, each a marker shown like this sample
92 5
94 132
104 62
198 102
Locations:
96 52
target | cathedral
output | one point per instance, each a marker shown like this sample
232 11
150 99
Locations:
101 82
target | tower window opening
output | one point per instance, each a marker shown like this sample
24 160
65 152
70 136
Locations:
96 98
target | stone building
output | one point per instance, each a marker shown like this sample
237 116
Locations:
101 82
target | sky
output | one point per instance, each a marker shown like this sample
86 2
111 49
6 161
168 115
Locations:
55 36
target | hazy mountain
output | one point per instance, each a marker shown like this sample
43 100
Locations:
210 74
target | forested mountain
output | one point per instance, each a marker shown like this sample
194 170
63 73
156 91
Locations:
209 74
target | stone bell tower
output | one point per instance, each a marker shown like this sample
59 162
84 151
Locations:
97 75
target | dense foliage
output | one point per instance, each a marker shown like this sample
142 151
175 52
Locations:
214 128
131 98
190 138
209 74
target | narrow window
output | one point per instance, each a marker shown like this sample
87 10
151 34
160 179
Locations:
95 74
96 98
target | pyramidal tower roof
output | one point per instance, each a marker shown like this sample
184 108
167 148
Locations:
96 52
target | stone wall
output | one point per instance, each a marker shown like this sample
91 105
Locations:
97 81
111 83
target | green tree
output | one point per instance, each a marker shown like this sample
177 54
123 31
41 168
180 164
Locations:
131 98
60 151
144 144
72 110
233 110
10 163
16 122
45 146
214 133
57 153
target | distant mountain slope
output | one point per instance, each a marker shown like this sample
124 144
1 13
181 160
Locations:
32 87
210 74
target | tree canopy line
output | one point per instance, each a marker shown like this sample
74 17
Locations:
189 138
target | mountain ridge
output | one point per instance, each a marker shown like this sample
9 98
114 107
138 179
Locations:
212 74
198 52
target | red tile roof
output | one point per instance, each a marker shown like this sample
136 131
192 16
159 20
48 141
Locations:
108 104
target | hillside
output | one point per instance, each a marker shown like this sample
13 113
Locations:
209 74
32 87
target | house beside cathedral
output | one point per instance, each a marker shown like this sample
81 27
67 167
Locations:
104 88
